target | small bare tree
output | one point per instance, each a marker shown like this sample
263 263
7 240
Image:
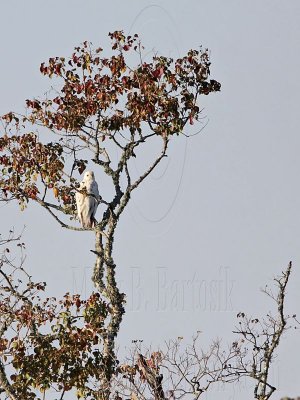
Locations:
261 337
177 373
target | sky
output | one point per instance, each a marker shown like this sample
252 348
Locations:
220 218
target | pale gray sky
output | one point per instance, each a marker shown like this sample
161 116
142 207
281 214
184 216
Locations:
222 217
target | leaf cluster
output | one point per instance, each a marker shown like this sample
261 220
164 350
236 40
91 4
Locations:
49 343
101 101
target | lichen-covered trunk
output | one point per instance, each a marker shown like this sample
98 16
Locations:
104 279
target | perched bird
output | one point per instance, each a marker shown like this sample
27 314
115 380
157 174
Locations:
87 199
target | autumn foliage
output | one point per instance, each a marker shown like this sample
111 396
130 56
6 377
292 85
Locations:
104 107
100 99
102 111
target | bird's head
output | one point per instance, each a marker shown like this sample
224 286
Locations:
89 176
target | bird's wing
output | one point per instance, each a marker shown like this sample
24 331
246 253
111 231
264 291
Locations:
95 190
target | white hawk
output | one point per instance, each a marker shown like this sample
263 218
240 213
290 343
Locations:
87 200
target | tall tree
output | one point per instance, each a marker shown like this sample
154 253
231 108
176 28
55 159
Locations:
102 107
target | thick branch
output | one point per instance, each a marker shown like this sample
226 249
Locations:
48 207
